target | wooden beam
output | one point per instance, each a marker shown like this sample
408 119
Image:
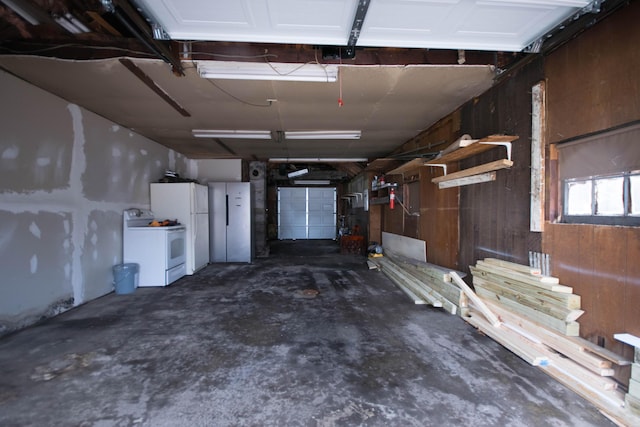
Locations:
148 81
568 300
514 266
480 305
468 180
538 126
476 170
527 351
499 293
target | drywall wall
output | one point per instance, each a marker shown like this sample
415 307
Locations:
218 170
66 175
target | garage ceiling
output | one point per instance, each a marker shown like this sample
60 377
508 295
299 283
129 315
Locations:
403 65
501 25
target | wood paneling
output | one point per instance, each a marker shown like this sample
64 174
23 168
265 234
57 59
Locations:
593 81
439 219
601 264
494 216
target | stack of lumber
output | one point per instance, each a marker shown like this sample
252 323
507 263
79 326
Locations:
424 283
536 317
632 399
524 291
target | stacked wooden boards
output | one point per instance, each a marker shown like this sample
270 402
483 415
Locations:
537 320
424 283
523 290
632 399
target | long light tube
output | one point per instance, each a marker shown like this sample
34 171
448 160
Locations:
237 134
310 72
323 134
317 160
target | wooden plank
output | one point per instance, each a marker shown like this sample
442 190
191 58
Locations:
467 180
561 299
406 246
538 117
432 270
476 170
558 342
408 167
601 351
543 282
473 149
525 269
508 339
372 265
531 303
564 327
474 298
431 298
451 307
464 141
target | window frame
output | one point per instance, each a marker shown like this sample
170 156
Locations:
625 219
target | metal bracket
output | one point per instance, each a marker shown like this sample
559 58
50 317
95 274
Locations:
439 165
506 145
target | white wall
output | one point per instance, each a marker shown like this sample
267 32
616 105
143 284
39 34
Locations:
66 175
218 170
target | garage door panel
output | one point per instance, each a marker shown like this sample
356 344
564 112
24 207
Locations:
306 213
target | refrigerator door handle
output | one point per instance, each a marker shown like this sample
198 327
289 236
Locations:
227 207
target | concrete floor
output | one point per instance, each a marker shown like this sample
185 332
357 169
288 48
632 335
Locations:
243 345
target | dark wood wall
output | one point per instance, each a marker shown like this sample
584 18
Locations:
594 84
494 216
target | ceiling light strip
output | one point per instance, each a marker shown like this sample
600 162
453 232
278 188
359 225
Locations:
267 71
236 134
317 160
341 134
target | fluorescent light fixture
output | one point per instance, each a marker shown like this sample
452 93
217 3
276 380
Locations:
27 11
323 134
317 160
309 72
298 173
237 134
312 182
71 24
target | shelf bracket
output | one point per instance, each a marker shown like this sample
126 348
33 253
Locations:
506 145
440 165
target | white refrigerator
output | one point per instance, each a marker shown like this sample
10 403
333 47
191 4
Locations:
230 224
187 202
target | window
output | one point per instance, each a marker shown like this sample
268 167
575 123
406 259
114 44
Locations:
610 199
599 177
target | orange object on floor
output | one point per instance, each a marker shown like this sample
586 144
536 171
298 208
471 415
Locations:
352 245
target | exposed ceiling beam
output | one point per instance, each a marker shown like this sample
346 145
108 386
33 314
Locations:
131 19
148 81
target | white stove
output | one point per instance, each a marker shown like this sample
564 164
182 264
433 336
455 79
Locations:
159 250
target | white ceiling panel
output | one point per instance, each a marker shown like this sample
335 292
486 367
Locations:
267 21
503 25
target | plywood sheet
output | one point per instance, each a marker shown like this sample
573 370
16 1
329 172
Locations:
405 246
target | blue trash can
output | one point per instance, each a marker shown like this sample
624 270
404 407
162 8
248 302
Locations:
125 278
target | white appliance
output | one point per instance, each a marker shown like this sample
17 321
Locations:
231 238
187 202
159 251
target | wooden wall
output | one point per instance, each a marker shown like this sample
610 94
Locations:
494 216
594 84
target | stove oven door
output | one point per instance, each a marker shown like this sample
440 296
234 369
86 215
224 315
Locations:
176 248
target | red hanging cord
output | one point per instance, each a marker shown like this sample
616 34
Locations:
340 103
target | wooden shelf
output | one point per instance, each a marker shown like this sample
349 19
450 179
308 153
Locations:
385 185
412 165
379 200
476 147
482 145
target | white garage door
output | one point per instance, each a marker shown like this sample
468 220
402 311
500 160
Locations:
306 213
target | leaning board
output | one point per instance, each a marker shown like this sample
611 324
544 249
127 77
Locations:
405 246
